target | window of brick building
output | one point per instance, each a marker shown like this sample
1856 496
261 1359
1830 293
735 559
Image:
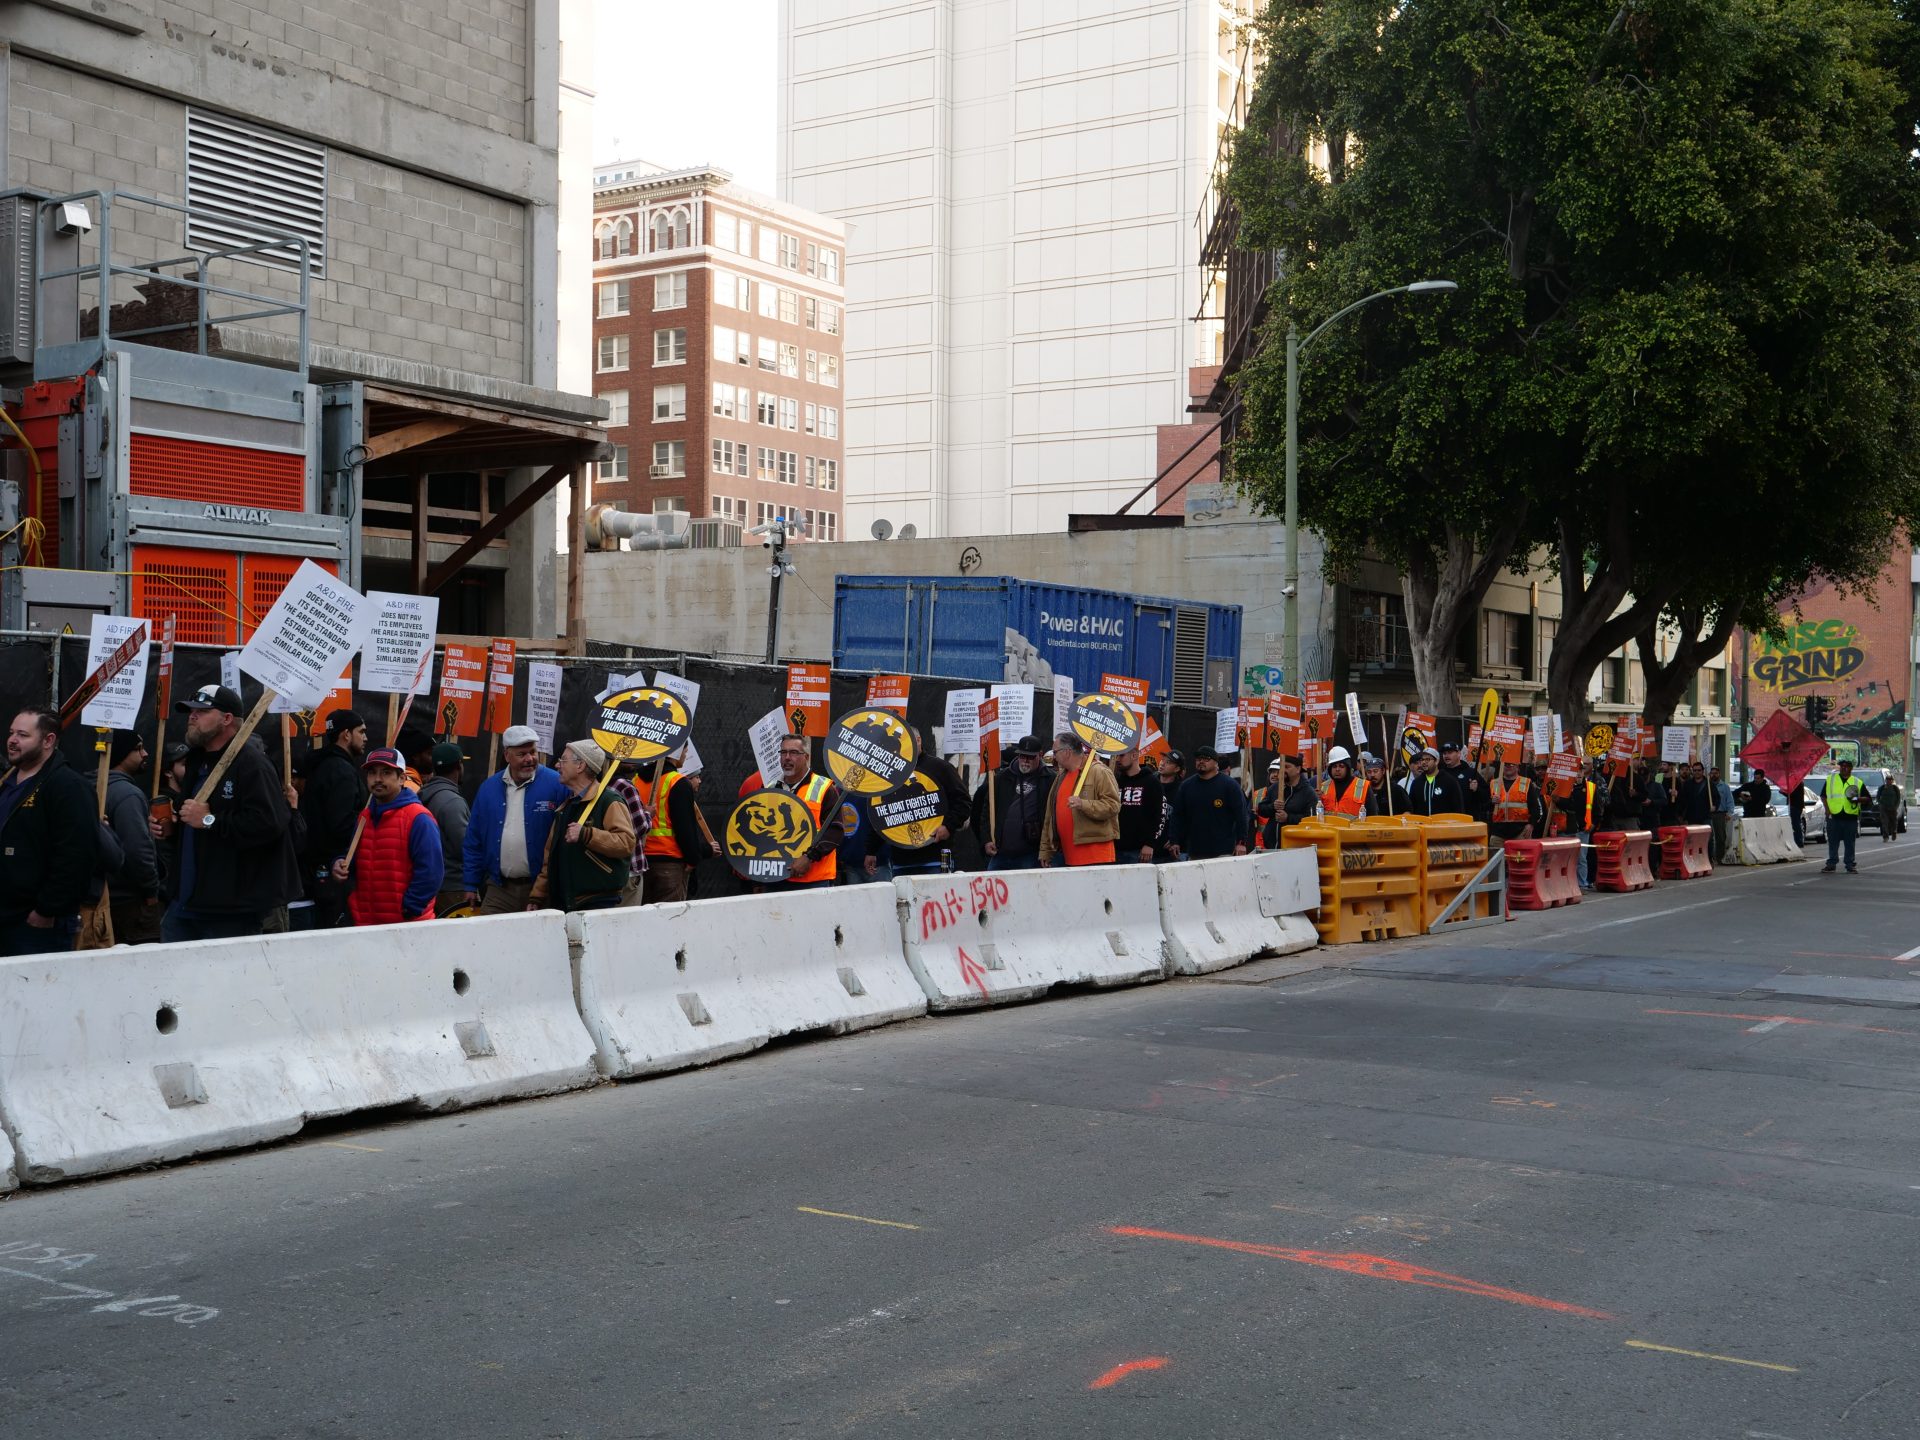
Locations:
669 402
614 467
613 352
669 347
616 406
613 296
670 290
669 459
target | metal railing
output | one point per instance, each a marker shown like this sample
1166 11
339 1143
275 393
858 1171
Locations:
104 270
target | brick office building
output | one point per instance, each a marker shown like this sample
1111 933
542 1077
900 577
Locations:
717 327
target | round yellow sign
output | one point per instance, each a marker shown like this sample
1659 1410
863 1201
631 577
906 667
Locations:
641 725
766 830
1106 723
870 751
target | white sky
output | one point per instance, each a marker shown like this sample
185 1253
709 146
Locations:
688 82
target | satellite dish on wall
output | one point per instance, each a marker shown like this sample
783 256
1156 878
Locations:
908 532
882 530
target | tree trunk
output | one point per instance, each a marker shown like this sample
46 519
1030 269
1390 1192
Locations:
1590 629
1667 683
1443 591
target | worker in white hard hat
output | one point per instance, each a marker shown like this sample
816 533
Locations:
1340 792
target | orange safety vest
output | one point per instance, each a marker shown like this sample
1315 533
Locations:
813 795
1353 804
1510 801
1586 820
660 839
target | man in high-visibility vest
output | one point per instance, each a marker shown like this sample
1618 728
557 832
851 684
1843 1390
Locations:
1518 811
1340 793
1844 796
1580 811
677 840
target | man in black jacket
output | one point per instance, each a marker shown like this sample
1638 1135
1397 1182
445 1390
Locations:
1018 811
335 794
237 865
1139 808
49 839
1210 814
1476 800
1287 800
135 887
954 799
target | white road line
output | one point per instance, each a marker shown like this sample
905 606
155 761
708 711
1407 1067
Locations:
1635 919
1909 954
1764 1026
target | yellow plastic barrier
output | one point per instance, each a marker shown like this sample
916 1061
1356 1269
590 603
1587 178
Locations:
1369 878
1453 850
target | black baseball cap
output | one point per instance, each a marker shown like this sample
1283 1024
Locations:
125 742
212 697
1206 752
341 721
1451 746
1030 745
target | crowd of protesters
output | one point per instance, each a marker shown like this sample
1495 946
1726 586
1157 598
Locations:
380 835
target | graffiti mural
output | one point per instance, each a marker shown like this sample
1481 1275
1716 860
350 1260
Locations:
1848 650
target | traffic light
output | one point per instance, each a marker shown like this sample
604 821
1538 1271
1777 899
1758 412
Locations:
1819 708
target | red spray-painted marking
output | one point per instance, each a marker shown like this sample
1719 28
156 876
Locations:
1783 1020
1120 1372
1377 1266
971 973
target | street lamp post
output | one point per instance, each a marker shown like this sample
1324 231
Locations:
1290 590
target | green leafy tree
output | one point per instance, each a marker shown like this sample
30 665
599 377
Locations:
1682 358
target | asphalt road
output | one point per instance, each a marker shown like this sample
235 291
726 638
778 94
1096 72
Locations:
1644 1167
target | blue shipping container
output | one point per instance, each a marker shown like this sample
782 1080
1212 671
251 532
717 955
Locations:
996 627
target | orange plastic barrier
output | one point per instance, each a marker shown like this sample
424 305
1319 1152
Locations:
1369 879
1621 860
1453 849
1541 875
1683 852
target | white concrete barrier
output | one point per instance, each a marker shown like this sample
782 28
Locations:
1214 912
987 939
118 1058
1765 840
665 987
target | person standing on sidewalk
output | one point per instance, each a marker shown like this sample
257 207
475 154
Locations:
49 840
1079 829
334 794
135 887
397 868
238 868
1018 810
1139 808
591 840
1287 800
676 841
1210 814
1888 798
441 795
926 860
819 864
1843 797
507 831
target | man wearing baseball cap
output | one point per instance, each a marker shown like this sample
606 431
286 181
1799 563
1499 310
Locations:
238 869
507 831
330 805
1210 817
396 869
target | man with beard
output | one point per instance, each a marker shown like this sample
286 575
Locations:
48 840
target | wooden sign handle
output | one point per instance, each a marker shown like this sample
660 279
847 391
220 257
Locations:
240 737
1081 783
359 829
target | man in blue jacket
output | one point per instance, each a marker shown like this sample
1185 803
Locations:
507 832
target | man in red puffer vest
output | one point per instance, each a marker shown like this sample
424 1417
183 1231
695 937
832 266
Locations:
396 866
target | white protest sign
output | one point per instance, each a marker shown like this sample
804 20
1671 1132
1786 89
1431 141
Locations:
543 700
963 722
690 762
687 690
116 705
1559 736
1542 727
765 735
1062 702
1226 729
1016 712
616 683
313 630
400 638
1673 742
1356 725
230 670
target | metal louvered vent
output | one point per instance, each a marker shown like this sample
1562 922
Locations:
246 184
1189 656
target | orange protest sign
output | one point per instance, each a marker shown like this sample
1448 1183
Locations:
1319 697
1285 735
338 698
1152 743
500 656
888 692
1125 687
810 700
1252 724
463 680
989 733
1563 770
1509 738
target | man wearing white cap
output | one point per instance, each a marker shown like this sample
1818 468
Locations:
507 831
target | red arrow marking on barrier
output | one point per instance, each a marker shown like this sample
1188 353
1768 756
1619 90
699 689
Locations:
1120 1372
971 973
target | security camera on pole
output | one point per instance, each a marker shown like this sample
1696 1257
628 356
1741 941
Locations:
773 538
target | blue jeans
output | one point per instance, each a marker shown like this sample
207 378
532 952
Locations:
17 937
1028 861
1583 867
181 925
1841 830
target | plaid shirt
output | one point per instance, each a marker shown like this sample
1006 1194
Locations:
642 823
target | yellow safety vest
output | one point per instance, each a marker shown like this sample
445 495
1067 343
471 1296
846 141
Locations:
1352 804
660 839
1843 797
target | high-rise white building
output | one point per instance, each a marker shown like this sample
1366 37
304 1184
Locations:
1019 180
